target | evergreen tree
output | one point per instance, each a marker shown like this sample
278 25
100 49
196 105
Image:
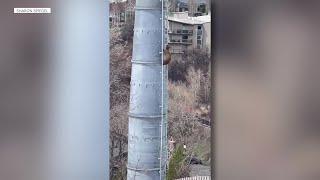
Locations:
174 163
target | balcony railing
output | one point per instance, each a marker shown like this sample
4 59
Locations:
187 41
183 41
177 51
180 31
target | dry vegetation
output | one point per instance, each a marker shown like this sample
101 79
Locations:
182 116
189 87
120 69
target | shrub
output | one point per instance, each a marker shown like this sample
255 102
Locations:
175 164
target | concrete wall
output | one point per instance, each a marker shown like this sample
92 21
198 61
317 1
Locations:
178 25
180 15
207 34
178 47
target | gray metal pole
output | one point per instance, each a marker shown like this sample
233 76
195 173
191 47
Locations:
79 128
146 152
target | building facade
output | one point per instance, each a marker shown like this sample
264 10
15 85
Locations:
121 11
194 7
187 33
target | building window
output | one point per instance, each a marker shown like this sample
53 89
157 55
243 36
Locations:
199 43
185 31
184 37
199 27
199 37
122 17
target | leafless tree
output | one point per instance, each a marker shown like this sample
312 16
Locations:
184 99
183 170
194 80
206 86
182 117
196 58
120 72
